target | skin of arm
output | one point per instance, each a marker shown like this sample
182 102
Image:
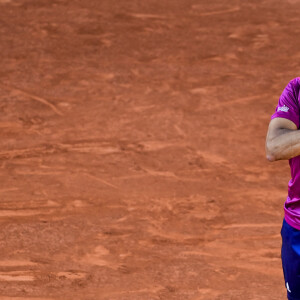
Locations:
283 140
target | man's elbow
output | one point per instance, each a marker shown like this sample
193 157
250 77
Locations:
271 154
271 157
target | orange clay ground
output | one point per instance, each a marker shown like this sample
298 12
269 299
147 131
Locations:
132 159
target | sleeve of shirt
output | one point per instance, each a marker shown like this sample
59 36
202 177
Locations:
288 105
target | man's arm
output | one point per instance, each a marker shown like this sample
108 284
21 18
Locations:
283 140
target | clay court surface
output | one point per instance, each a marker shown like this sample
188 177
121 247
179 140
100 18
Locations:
132 160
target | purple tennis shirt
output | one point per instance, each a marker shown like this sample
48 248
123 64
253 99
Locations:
289 108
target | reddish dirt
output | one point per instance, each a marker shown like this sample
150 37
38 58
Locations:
132 160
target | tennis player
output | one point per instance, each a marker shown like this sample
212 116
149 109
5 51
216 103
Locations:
283 142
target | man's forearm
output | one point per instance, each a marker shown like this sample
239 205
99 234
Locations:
285 145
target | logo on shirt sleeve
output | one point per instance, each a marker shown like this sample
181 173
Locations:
283 108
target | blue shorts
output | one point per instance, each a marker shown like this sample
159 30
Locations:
290 255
